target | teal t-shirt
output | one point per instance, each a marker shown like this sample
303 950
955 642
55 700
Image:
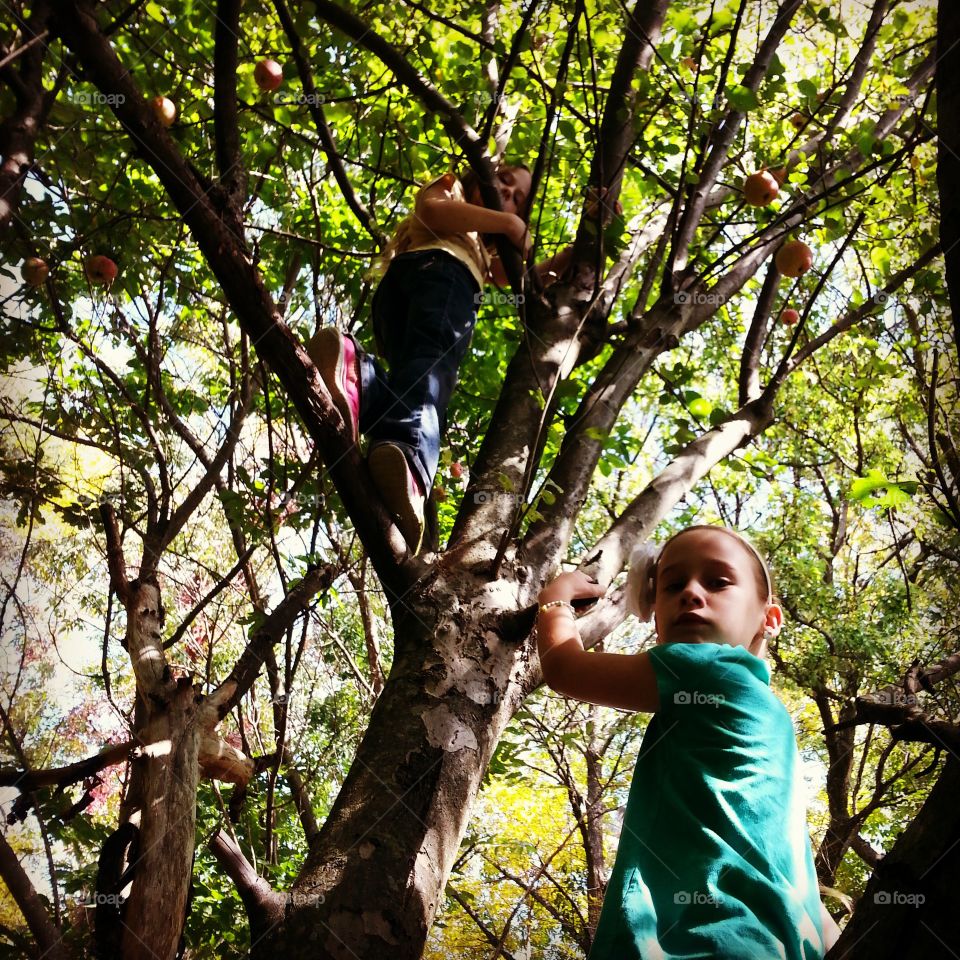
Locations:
714 858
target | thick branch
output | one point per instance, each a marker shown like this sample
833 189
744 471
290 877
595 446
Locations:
233 174
27 780
19 131
262 902
637 522
49 938
115 562
247 667
617 133
749 383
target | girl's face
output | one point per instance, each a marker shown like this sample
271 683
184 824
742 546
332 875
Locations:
514 185
708 592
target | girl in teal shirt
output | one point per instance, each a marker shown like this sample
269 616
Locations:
714 859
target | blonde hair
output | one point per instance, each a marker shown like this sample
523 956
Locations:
645 559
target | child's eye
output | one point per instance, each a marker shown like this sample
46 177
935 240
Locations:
720 582
673 587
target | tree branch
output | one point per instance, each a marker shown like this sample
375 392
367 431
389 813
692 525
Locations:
49 938
261 901
265 636
314 105
28 780
233 173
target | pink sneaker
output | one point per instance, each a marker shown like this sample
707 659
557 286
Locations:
335 355
400 490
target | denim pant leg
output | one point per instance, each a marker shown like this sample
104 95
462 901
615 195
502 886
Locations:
424 313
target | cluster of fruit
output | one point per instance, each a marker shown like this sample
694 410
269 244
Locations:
100 269
794 258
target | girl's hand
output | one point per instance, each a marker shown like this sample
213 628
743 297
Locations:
572 586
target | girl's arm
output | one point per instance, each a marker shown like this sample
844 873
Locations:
549 269
625 681
438 211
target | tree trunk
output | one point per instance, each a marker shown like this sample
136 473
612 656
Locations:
373 879
948 154
168 775
908 911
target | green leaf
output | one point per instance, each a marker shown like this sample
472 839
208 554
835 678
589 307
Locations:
875 490
742 98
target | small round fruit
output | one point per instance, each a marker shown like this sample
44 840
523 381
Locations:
456 470
798 120
101 269
268 75
790 316
689 63
34 271
760 189
794 258
165 110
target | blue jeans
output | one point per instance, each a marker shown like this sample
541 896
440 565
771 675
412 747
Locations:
424 312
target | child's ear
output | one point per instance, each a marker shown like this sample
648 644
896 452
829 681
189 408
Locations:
773 620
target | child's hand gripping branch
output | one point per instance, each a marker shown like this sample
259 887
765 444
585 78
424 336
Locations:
714 859
608 679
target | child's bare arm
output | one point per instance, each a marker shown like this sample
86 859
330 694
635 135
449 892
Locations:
440 212
625 681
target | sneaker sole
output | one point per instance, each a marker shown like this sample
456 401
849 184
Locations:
326 352
388 466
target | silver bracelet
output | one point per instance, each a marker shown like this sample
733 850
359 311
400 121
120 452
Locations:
558 603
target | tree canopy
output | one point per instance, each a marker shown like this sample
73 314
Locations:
226 682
